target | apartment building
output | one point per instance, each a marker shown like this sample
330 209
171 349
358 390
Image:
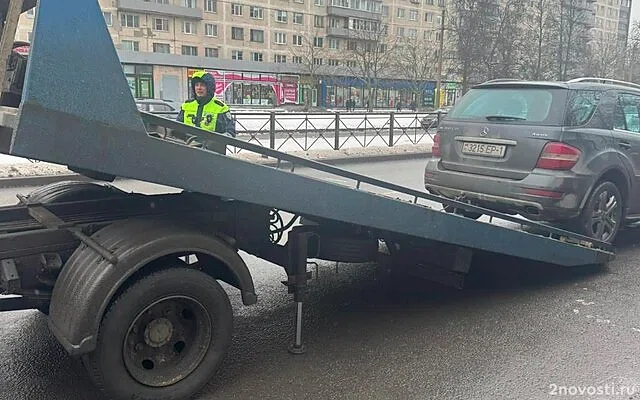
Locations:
255 47
612 20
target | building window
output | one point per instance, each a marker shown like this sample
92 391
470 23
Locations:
441 3
236 55
400 31
280 58
237 33
211 52
351 64
334 44
428 17
257 35
211 6
189 51
413 15
130 45
318 42
211 30
256 12
298 18
280 38
161 48
412 33
189 28
317 61
190 3
352 45
400 12
140 80
257 57
385 11
296 59
108 18
333 63
297 40
319 2
130 21
281 16
161 24
318 21
236 9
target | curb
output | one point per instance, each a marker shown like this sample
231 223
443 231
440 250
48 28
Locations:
40 180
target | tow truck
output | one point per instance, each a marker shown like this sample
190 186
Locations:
130 282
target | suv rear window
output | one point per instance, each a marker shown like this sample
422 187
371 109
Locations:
525 105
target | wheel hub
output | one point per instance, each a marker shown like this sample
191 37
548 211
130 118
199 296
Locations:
167 341
158 332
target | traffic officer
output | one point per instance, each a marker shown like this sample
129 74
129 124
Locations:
205 111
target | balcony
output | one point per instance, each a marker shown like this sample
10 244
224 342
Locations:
349 12
148 7
338 32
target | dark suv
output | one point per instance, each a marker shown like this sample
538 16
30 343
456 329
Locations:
561 152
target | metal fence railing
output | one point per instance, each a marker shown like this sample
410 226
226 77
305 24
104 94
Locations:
291 131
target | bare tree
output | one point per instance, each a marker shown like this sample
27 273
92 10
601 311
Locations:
370 54
538 57
605 58
632 54
572 25
311 53
472 24
416 63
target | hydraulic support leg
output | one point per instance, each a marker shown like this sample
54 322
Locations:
297 280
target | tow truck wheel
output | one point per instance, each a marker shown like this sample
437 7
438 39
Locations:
163 337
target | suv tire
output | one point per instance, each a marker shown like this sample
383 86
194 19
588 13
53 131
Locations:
602 215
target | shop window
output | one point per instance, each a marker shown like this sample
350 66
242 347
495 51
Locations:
140 80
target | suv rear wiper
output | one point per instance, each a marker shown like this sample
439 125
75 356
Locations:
504 118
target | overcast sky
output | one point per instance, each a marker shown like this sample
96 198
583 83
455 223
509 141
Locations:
635 11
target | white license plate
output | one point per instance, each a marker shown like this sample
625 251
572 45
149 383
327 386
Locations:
484 149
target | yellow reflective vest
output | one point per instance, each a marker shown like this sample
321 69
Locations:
210 113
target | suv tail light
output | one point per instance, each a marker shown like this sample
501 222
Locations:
559 156
435 150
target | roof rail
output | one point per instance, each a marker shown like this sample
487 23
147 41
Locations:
501 80
604 80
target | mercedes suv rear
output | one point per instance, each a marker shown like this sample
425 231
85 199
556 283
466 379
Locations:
563 152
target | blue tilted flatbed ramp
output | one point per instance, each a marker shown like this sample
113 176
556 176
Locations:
78 111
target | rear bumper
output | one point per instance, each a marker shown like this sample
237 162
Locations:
542 195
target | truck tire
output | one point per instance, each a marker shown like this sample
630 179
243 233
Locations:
347 249
163 337
59 192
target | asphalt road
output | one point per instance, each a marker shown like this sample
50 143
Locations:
517 331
